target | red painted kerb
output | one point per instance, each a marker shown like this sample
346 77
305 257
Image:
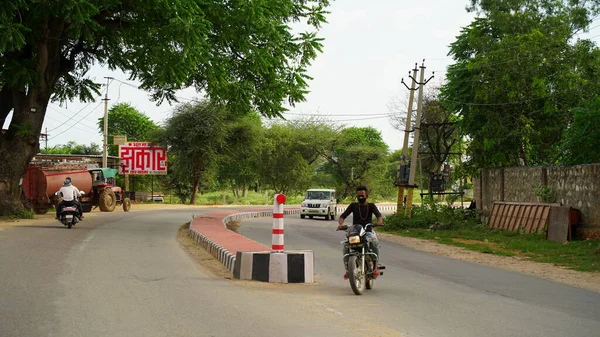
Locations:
211 226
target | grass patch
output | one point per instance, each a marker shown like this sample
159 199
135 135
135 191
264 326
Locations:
459 227
24 214
227 198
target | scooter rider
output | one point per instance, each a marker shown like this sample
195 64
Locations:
70 193
362 214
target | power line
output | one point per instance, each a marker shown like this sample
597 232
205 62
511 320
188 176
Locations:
82 118
77 113
136 87
69 117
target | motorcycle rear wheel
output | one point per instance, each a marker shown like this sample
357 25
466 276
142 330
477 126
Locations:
356 276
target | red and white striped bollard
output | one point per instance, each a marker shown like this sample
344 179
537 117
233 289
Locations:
277 242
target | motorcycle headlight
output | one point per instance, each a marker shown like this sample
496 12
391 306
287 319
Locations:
354 239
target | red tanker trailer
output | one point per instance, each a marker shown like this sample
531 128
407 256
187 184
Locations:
40 182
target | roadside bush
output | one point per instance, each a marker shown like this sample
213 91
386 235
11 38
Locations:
24 214
431 215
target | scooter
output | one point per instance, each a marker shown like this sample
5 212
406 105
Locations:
69 215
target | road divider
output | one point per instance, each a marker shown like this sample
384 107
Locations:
250 260
246 258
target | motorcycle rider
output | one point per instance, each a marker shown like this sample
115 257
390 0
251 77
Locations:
362 213
70 193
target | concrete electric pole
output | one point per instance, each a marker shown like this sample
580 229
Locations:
415 148
105 149
401 183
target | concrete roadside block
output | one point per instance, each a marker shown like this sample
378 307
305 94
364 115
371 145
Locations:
275 267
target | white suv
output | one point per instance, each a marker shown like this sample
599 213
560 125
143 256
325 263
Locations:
319 202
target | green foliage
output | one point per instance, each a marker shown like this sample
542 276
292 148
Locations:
544 193
202 138
282 167
581 142
223 48
23 214
181 188
242 54
578 255
125 120
238 164
431 215
518 74
73 148
357 156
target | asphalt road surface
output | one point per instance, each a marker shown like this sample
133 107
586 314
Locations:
124 274
421 294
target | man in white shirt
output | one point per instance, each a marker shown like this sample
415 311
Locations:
70 194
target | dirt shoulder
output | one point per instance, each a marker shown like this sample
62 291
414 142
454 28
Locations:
586 280
199 255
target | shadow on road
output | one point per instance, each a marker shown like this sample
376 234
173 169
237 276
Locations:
53 227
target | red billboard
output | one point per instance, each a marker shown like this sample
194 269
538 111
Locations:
142 158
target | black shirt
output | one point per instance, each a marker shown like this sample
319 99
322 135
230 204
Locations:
362 214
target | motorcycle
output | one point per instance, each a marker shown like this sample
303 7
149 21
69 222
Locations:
68 215
362 262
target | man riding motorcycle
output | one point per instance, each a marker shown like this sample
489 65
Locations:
362 214
70 193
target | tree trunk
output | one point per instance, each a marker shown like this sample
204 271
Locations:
18 145
244 191
194 190
28 103
20 151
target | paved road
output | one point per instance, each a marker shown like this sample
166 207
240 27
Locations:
124 274
427 295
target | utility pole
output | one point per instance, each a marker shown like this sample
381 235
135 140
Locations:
44 137
105 150
415 149
406 135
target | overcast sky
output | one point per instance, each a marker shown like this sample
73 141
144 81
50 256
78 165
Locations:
369 47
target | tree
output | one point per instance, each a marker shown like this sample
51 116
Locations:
581 141
240 53
354 158
238 164
73 148
281 166
124 119
195 135
519 71
438 137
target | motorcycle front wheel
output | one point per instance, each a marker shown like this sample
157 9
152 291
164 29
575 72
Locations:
356 275
370 281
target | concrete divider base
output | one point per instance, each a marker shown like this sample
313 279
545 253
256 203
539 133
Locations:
275 267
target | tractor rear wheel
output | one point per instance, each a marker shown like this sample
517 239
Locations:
108 200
